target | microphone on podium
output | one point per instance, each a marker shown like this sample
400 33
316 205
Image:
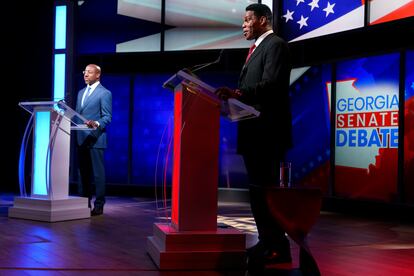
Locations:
173 81
204 65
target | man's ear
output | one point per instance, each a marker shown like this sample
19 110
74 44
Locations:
263 21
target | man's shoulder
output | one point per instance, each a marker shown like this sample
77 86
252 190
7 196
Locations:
275 39
103 88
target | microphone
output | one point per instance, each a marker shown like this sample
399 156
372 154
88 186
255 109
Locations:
204 65
173 81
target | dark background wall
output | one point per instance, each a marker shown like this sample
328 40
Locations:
26 50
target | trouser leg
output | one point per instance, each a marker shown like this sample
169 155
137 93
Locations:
98 165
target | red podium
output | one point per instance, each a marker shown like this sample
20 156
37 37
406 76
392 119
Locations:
192 240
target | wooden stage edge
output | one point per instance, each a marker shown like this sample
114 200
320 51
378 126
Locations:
116 242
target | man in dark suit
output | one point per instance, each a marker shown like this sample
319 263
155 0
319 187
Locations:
264 141
94 102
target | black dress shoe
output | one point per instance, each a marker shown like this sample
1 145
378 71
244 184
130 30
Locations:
276 257
256 249
255 265
97 211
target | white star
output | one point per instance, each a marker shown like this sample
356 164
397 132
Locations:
288 15
314 4
329 9
302 21
299 1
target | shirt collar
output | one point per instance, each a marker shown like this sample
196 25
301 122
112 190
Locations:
262 37
93 86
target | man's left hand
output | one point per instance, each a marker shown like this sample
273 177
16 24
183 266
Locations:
225 93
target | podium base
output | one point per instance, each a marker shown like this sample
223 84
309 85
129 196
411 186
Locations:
170 249
50 210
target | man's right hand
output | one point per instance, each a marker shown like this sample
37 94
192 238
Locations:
91 124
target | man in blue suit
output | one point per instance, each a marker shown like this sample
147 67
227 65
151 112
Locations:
94 102
264 141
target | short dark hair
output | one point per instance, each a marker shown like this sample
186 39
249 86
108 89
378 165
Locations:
260 10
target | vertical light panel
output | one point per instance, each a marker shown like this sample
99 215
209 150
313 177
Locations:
59 77
41 145
60 27
59 56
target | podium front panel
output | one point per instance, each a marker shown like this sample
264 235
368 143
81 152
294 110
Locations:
51 144
195 162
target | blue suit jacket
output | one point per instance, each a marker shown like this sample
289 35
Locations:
97 107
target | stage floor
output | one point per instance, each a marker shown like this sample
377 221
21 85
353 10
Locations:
115 243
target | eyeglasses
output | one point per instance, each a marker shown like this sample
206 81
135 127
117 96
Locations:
89 72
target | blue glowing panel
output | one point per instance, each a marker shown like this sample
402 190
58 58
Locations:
366 128
40 153
152 130
310 154
60 27
409 129
59 77
306 19
116 155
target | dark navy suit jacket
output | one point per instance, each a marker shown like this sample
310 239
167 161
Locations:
264 83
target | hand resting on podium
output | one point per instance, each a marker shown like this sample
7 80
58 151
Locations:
225 93
92 124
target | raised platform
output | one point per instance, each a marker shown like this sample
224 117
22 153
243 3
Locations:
209 250
50 210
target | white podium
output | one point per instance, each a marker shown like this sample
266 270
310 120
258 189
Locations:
48 200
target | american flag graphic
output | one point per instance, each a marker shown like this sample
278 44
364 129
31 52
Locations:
302 19
385 10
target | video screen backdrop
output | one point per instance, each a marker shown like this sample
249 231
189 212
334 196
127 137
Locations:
121 26
409 129
366 128
141 130
116 25
382 11
152 117
200 24
365 140
116 157
303 19
232 171
310 154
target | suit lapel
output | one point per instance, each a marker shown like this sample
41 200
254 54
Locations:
255 54
259 49
88 99
80 97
